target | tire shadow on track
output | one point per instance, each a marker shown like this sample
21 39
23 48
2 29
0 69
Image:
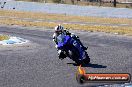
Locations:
89 65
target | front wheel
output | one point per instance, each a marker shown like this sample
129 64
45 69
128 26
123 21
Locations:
61 54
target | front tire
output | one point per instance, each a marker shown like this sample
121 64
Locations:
61 54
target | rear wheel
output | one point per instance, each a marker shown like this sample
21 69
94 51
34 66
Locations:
74 55
87 59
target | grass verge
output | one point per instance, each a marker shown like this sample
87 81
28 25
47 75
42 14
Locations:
65 18
4 37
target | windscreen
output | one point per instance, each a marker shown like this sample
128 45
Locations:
61 38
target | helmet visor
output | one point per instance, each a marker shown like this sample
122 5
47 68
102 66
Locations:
58 32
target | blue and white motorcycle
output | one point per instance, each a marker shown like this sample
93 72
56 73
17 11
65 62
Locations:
69 47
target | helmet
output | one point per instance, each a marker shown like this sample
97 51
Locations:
59 29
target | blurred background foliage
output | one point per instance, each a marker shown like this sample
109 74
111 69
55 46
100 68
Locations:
105 3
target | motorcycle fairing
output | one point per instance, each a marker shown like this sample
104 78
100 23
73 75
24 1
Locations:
66 39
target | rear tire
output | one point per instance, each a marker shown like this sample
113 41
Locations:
74 55
87 59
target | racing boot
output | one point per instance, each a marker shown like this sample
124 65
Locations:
85 48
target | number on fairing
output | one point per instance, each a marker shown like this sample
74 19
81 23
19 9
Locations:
74 43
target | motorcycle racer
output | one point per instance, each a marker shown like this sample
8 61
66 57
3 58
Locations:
59 29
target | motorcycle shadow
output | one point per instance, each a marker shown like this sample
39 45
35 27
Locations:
89 65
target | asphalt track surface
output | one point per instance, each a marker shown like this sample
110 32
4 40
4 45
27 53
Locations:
36 64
